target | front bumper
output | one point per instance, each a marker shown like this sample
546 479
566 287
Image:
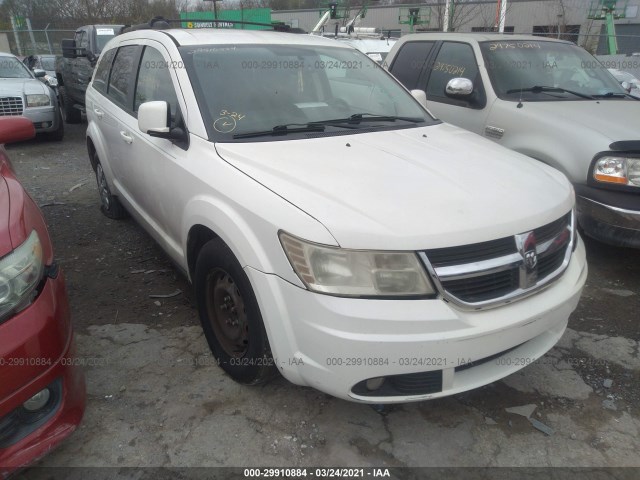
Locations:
334 344
608 216
37 351
45 119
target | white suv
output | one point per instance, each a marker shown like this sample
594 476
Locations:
333 230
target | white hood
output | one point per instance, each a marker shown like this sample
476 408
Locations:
407 189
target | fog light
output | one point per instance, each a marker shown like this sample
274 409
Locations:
38 401
46 124
374 383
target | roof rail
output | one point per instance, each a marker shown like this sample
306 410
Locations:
161 23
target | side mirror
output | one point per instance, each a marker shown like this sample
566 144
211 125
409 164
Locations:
16 129
69 49
68 46
420 96
626 86
459 87
39 73
154 118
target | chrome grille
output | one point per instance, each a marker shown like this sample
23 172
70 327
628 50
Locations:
10 106
488 273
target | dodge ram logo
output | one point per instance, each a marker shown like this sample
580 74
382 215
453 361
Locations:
526 243
530 259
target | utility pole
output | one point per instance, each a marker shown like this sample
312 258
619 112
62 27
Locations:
447 13
503 16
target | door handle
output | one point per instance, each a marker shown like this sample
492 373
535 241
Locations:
125 136
99 113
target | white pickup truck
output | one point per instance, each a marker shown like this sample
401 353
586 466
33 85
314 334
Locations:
548 99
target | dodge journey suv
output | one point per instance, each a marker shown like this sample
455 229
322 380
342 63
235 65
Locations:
333 230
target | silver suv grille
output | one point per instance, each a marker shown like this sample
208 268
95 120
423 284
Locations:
10 106
489 273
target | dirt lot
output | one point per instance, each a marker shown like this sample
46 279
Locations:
155 398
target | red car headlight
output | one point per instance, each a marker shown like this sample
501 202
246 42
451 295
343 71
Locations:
20 273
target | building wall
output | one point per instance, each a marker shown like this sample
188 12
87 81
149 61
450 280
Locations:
523 15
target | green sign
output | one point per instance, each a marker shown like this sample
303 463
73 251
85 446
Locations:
19 22
206 19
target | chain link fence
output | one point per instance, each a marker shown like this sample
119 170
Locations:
32 42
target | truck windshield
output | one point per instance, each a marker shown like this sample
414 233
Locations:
103 35
11 67
248 91
534 70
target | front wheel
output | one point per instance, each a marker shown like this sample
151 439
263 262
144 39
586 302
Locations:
230 316
71 114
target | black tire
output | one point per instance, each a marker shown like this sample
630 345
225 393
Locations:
58 135
230 316
109 204
71 114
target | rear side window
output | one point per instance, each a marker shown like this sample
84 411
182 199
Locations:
454 60
154 81
101 78
410 61
121 77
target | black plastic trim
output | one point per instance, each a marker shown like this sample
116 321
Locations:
626 146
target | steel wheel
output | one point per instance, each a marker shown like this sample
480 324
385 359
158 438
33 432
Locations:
227 313
230 315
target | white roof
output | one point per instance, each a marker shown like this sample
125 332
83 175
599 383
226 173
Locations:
225 36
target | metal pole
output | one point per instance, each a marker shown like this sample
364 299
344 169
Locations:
33 38
15 34
447 9
503 16
46 34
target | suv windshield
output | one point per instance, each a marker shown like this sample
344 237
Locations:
265 92
546 71
11 67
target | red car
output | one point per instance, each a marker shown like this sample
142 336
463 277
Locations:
42 391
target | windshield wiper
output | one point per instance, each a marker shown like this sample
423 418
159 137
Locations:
614 95
372 117
284 130
542 88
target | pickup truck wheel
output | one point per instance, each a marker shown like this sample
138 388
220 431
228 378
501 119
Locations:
71 114
109 204
230 316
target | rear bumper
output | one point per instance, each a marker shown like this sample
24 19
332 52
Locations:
37 351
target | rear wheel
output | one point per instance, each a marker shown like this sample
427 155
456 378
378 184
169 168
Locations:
109 204
230 316
71 114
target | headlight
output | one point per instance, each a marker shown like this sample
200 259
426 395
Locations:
38 101
618 170
20 274
357 273
52 81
